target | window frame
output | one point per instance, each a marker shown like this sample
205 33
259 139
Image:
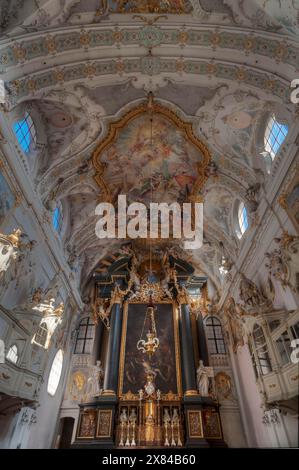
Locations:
262 356
285 349
295 330
214 339
12 355
243 223
23 129
55 373
274 130
85 323
38 334
58 218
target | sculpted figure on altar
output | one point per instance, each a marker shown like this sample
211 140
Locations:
134 281
204 375
94 382
169 277
101 310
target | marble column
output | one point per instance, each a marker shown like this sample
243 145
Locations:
202 342
113 351
187 353
96 353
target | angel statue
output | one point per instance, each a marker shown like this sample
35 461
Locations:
203 379
169 274
134 282
102 309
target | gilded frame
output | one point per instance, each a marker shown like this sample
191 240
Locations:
98 436
191 435
79 426
220 436
123 348
155 108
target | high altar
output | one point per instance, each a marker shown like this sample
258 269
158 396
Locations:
151 343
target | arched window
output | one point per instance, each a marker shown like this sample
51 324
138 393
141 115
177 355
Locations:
275 135
12 354
85 337
242 219
261 349
57 218
55 373
214 334
25 133
41 335
283 344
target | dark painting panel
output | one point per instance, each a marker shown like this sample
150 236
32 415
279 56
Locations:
163 361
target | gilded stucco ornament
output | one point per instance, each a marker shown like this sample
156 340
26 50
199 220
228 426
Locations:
233 325
9 245
252 297
15 258
283 262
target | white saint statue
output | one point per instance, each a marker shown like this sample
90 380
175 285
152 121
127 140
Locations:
203 379
95 380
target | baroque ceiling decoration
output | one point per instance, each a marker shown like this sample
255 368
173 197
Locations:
38 46
151 108
85 67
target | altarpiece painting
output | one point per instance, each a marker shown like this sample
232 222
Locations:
165 362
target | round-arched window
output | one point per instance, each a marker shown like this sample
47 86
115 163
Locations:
55 373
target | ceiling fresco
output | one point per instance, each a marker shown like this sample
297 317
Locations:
151 161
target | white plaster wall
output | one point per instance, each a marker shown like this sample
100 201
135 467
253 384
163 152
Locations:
232 428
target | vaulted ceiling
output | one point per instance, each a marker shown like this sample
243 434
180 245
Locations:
79 66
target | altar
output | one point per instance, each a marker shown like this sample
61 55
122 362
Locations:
150 396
